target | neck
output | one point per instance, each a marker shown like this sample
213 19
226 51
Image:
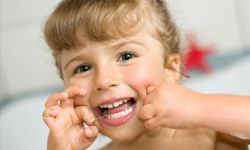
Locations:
150 139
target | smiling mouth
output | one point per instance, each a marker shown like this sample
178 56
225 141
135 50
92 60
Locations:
117 112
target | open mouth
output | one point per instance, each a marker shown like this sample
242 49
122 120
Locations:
117 112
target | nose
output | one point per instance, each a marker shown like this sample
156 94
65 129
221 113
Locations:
106 79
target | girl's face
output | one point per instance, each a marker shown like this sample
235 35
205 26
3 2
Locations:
116 75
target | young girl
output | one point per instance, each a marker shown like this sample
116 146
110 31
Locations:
120 63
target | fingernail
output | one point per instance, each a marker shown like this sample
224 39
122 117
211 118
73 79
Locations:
150 89
92 121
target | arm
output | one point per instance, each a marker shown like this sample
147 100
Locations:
178 107
226 113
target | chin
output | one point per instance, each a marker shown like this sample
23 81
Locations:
125 133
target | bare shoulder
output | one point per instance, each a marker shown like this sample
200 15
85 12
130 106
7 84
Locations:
228 142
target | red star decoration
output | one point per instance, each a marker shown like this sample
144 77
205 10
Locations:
195 59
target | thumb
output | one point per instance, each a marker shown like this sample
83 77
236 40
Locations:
89 135
91 132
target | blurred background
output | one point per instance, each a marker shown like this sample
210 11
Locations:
215 31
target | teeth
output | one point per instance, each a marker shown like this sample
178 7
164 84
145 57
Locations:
115 104
110 106
119 114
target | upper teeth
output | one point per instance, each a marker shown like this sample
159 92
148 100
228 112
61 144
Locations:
115 104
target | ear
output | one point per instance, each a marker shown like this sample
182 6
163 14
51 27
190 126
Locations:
172 68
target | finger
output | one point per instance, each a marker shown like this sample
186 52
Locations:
49 116
89 117
89 135
85 114
53 111
90 131
75 91
152 123
72 92
49 121
147 112
67 103
55 98
148 98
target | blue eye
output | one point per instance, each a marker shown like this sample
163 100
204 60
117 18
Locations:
82 68
125 56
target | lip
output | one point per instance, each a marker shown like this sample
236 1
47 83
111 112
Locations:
118 120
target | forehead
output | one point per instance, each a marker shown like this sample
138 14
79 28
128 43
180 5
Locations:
142 37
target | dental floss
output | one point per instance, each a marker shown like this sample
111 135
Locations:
84 125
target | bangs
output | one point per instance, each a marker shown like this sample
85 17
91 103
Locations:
76 22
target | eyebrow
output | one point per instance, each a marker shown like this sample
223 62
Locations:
121 44
78 57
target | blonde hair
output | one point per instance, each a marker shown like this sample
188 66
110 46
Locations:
75 22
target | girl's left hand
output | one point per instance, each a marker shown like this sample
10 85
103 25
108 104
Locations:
171 106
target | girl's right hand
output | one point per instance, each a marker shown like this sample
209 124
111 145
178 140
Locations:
66 121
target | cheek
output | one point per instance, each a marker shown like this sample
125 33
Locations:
143 77
76 83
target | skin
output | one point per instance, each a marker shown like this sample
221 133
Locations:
110 76
164 108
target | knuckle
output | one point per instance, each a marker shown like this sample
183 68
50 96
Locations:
149 124
145 115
